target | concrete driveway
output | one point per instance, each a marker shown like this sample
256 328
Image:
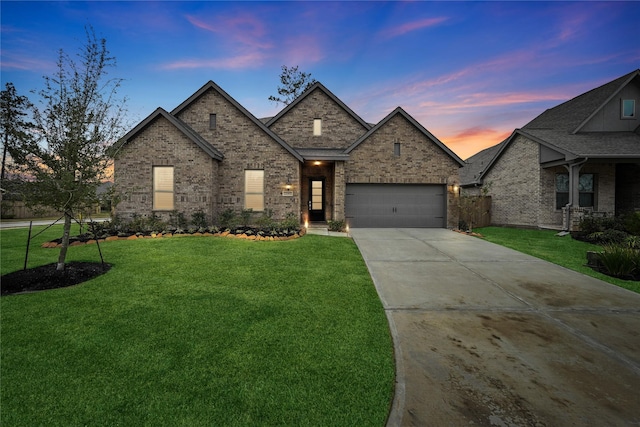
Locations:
488 336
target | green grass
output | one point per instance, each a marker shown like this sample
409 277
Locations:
544 244
198 331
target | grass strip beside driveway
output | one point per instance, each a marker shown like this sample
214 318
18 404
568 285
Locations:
199 331
544 244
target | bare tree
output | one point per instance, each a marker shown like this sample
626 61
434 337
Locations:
293 84
79 117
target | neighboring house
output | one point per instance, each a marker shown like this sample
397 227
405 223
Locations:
316 158
581 156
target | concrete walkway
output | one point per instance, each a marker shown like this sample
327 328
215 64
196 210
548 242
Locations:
485 335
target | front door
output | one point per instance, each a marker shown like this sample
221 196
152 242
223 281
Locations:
316 199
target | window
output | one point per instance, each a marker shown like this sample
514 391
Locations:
254 190
212 121
163 188
586 188
628 109
317 127
396 149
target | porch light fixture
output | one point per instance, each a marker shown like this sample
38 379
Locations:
317 163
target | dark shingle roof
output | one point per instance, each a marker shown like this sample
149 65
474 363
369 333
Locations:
476 164
571 115
559 128
179 124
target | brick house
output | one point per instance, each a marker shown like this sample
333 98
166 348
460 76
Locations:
580 156
315 158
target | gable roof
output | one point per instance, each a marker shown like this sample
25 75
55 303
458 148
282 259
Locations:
572 115
306 93
558 129
210 85
414 122
179 124
475 165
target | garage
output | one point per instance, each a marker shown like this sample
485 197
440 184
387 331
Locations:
395 205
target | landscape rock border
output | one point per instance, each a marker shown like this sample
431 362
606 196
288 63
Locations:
238 234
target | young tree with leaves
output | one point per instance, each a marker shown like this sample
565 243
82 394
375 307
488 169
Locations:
293 84
13 123
79 117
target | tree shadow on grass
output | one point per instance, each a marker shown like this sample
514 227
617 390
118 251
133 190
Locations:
46 277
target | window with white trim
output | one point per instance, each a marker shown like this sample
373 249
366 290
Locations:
163 188
628 109
317 127
254 189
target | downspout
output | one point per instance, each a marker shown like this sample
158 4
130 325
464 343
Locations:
570 168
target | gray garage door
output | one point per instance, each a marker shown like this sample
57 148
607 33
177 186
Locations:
395 205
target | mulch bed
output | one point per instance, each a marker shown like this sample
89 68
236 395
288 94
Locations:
46 277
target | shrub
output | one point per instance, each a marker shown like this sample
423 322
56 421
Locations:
290 222
227 219
336 225
608 237
632 223
245 214
199 219
620 261
178 219
266 221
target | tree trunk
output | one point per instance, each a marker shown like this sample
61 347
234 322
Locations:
65 241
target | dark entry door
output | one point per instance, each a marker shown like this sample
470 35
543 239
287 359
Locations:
316 199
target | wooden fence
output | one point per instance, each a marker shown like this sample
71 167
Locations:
16 209
475 211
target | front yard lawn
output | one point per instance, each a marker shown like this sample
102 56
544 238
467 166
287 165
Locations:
544 244
198 331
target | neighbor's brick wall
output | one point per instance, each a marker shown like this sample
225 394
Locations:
514 182
161 144
339 128
605 191
244 146
420 162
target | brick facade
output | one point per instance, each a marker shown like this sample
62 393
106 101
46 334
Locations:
523 193
339 128
161 144
420 161
514 185
215 182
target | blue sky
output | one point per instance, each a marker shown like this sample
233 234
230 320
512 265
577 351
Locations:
470 72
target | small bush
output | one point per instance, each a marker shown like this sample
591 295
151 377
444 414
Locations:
227 219
608 237
290 222
620 261
632 223
336 225
245 215
178 220
199 219
266 221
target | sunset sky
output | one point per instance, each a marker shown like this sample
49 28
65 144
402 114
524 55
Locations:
470 72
